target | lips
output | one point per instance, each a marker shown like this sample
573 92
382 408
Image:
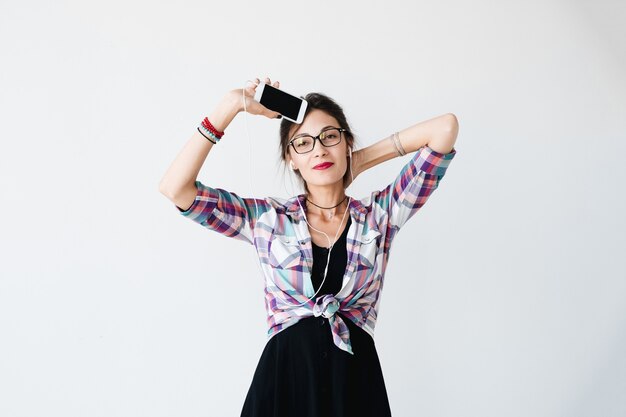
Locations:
323 165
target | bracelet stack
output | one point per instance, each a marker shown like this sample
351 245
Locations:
209 131
395 138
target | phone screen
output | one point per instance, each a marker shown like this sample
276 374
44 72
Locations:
277 100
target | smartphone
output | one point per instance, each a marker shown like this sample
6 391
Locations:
290 107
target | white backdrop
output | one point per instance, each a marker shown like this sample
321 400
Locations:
504 295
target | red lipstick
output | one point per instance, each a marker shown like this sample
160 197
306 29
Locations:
323 165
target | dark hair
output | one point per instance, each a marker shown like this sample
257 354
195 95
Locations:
317 101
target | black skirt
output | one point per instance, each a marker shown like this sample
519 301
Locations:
302 373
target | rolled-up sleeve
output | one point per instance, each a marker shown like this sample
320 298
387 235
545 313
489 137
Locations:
415 183
225 212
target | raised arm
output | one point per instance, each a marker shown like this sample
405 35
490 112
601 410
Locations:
439 133
178 183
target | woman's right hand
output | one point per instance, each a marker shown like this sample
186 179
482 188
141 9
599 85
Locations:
251 105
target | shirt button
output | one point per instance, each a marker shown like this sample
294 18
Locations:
324 355
322 321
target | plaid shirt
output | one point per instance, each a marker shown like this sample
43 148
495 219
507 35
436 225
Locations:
277 229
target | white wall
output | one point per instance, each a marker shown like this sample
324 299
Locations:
503 296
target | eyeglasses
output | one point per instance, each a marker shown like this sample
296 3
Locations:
328 137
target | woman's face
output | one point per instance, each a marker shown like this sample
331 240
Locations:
313 124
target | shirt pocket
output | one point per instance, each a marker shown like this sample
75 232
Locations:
368 250
285 252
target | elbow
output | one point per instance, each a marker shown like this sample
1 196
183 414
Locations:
452 127
163 189
448 130
452 123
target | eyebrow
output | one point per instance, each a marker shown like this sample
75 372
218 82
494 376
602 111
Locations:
308 134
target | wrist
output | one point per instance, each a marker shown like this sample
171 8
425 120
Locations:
224 113
234 100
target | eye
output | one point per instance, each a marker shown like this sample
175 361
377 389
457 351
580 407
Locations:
302 142
329 135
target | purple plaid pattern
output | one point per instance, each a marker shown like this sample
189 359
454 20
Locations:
280 235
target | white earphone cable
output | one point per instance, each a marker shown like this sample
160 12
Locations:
245 111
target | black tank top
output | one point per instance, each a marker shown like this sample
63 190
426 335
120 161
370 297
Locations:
336 267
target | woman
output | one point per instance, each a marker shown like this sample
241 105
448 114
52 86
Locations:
323 253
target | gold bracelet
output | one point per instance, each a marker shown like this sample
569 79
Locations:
396 141
391 138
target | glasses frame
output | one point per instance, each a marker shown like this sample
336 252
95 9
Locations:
340 129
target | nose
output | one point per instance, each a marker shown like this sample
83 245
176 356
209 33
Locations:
319 149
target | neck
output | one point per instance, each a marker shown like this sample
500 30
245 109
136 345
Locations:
327 197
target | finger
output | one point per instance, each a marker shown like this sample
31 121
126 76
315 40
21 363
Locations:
250 87
276 84
273 114
267 80
250 90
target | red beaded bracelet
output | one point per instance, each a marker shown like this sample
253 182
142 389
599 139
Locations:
212 128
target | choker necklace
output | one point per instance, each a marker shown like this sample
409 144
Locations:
330 215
